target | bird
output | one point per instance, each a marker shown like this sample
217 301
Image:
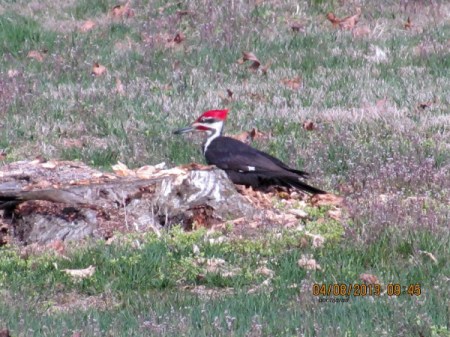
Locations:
244 164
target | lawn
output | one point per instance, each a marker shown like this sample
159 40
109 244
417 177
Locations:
85 80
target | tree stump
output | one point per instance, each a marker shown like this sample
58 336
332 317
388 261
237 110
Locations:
62 200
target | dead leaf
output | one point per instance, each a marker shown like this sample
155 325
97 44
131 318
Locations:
148 171
175 41
346 23
299 213
265 271
49 165
76 334
265 68
294 83
57 246
122 170
5 333
369 279
226 98
335 214
3 155
243 137
425 105
13 73
326 199
248 136
87 26
333 19
408 24
184 12
179 37
317 240
79 274
257 96
36 55
307 262
297 27
309 125
429 255
98 69
249 56
120 11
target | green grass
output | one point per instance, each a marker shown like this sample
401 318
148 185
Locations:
150 282
373 145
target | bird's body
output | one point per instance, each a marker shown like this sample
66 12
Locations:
244 164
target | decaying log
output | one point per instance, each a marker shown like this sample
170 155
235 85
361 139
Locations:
42 202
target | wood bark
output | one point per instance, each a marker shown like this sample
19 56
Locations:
46 201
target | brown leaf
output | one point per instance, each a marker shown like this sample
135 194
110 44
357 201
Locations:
122 170
335 214
147 171
5 333
317 240
98 69
333 19
307 262
249 56
87 26
76 334
175 40
248 136
292 83
265 68
326 199
369 279
120 11
309 125
257 97
429 255
79 274
3 155
265 271
256 134
346 23
425 105
242 137
34 54
226 97
184 12
57 246
408 24
297 27
349 22
179 37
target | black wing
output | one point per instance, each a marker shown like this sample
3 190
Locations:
249 166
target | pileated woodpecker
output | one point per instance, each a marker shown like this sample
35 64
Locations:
243 164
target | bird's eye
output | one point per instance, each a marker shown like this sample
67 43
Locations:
206 120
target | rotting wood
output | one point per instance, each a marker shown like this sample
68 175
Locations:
46 201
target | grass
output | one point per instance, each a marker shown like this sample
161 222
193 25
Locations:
374 145
151 286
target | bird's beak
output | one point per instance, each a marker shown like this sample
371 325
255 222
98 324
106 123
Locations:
184 130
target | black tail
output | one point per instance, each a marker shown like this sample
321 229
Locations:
293 182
